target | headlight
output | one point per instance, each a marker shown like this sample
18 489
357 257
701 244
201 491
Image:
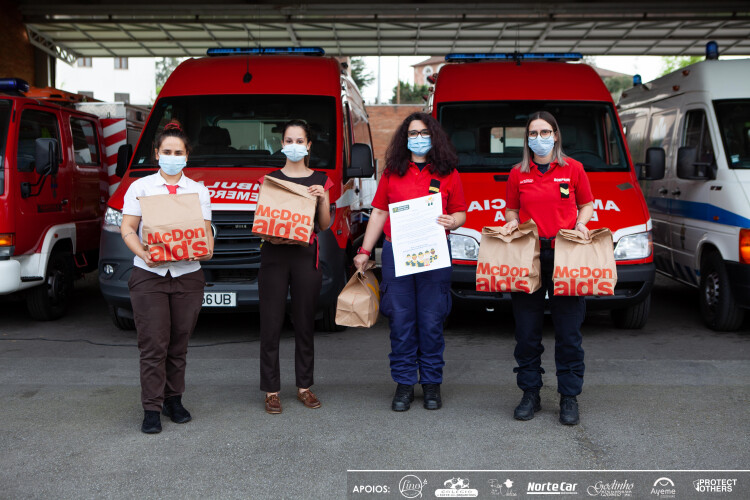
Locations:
112 220
633 246
463 247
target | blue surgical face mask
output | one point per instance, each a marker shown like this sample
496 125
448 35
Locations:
295 152
542 147
419 145
171 164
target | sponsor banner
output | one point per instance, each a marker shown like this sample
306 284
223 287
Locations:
499 484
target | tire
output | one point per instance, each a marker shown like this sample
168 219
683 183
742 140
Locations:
50 300
718 308
328 322
633 317
120 321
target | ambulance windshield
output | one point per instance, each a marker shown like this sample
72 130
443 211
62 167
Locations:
4 120
734 123
241 130
488 136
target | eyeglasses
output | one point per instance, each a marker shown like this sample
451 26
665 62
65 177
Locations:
414 133
544 134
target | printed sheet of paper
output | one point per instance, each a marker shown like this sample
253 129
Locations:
419 242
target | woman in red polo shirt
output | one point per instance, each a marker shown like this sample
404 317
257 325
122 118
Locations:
419 157
554 191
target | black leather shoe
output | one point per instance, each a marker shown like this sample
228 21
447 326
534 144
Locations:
568 410
173 409
530 402
151 422
403 397
432 400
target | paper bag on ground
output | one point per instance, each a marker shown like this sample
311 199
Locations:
359 301
509 259
285 210
173 226
584 267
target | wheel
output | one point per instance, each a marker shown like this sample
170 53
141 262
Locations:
718 308
328 322
633 317
120 321
50 300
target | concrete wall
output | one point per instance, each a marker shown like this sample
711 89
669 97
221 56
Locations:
384 119
16 53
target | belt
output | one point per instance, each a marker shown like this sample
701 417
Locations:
388 238
547 243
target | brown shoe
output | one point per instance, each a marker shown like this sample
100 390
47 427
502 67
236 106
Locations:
308 399
273 404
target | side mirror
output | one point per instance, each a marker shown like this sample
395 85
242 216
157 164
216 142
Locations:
688 166
124 153
362 164
46 156
653 168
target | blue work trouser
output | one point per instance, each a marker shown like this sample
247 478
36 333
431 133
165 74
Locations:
416 306
568 314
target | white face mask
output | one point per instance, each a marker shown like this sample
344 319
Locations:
171 164
295 152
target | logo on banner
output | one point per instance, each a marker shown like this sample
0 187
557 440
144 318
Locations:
616 489
714 485
664 488
504 489
411 486
456 487
550 488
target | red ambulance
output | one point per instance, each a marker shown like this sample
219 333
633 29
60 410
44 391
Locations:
53 189
232 105
483 102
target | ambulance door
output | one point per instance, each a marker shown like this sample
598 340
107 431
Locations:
690 197
48 203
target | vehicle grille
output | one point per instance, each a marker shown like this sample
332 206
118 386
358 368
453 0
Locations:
234 243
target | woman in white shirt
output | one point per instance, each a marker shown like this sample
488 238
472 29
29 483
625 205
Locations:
166 297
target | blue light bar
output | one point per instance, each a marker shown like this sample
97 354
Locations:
515 56
233 51
13 85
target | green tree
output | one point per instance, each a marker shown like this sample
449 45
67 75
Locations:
360 75
410 94
164 68
672 63
617 84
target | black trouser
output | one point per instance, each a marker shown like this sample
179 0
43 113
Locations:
568 314
287 269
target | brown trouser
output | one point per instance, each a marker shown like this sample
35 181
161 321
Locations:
165 311
287 269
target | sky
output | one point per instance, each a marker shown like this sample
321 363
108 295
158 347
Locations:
391 68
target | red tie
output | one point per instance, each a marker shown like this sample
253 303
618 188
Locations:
171 189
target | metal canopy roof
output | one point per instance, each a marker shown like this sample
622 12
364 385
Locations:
71 29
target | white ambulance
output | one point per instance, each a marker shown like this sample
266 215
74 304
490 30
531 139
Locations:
689 136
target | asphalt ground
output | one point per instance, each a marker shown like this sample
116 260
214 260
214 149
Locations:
674 395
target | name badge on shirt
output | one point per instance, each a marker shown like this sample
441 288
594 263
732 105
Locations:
434 186
564 190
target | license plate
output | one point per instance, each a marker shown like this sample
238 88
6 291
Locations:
219 299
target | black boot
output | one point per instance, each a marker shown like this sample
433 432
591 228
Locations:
173 409
530 402
151 422
568 410
403 397
432 400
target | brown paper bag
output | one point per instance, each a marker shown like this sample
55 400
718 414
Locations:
285 210
173 226
584 267
359 301
509 259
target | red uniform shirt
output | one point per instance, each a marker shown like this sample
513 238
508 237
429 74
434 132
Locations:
551 199
415 183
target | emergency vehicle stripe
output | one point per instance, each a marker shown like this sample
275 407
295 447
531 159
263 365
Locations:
698 211
115 134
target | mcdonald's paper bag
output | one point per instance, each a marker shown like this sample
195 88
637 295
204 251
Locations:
584 267
509 259
285 210
359 301
173 226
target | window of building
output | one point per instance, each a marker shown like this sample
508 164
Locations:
122 97
87 93
121 63
84 142
84 62
34 125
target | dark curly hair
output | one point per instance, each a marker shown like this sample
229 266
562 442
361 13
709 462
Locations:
442 158
173 129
